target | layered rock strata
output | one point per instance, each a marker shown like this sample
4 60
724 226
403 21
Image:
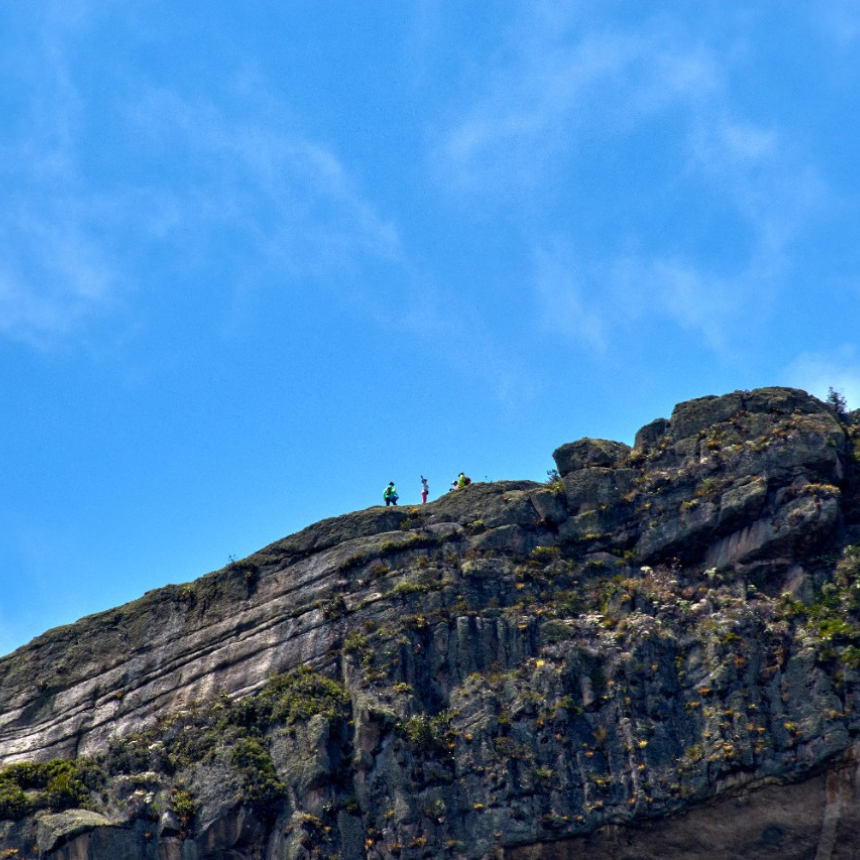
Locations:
614 663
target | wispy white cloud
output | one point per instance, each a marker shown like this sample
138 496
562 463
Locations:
591 83
697 299
561 85
598 302
53 276
561 285
530 110
236 174
818 372
838 20
292 195
54 272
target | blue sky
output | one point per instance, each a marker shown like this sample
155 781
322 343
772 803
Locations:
259 258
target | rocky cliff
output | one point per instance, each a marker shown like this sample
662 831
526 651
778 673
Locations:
654 654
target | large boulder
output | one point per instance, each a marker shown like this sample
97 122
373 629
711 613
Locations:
589 453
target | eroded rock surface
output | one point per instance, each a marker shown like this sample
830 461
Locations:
655 655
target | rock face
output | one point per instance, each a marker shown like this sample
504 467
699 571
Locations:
655 655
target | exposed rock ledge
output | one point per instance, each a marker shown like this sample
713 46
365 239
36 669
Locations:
656 656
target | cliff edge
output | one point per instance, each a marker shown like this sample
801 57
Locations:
656 654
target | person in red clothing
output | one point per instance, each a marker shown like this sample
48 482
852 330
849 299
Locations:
425 490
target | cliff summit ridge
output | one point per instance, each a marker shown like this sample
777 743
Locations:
606 664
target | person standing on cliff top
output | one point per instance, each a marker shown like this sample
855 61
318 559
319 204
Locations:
463 481
390 494
425 490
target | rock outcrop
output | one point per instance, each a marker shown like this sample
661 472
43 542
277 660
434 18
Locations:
656 654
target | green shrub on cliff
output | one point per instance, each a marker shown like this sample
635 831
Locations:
14 804
833 618
836 401
430 735
554 481
296 697
55 785
197 733
261 787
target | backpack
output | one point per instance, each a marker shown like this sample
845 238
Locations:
468 481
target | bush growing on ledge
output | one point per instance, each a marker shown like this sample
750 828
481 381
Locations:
554 631
404 588
833 618
837 402
428 735
184 807
261 788
55 785
287 699
14 804
554 481
196 735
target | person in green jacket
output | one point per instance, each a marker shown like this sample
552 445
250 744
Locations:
390 494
